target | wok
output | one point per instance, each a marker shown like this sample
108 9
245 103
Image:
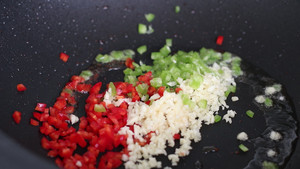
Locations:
33 33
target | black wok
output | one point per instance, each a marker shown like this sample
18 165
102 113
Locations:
33 33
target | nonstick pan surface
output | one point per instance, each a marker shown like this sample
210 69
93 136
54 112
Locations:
33 33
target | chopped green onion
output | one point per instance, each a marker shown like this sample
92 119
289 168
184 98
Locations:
142 49
269 165
268 102
231 89
86 74
156 55
132 80
196 81
128 53
113 89
250 113
115 55
177 9
217 118
150 29
187 101
149 17
145 68
156 82
226 56
169 42
142 89
142 28
202 103
135 65
243 148
165 50
99 108
104 58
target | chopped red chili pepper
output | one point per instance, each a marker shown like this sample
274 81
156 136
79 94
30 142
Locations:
40 107
219 40
34 122
128 63
176 136
64 57
177 90
21 87
17 116
161 91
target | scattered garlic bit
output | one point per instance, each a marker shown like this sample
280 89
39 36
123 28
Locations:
274 135
78 164
270 90
234 98
230 114
281 98
242 136
74 119
271 153
260 99
167 167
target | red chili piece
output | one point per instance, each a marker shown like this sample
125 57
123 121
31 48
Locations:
17 116
21 87
128 63
64 57
219 40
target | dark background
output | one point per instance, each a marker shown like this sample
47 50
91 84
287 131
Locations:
33 33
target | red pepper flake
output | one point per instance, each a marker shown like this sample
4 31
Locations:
64 57
21 87
17 116
219 40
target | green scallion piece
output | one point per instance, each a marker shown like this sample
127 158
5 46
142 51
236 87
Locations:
142 28
217 118
243 148
149 17
250 113
156 82
226 56
150 29
165 50
268 102
99 108
177 9
128 53
113 89
231 89
142 89
269 165
169 42
86 74
142 49
202 103
132 80
196 81
104 58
